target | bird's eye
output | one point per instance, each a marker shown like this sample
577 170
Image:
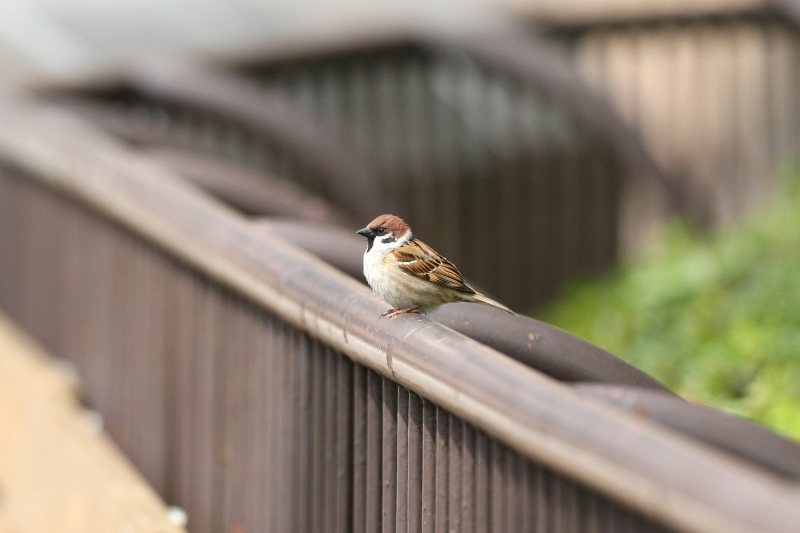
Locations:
380 231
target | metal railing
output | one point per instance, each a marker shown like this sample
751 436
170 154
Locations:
256 387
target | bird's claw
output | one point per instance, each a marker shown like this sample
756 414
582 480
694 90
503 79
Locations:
391 313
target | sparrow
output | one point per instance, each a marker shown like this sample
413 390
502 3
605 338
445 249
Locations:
409 274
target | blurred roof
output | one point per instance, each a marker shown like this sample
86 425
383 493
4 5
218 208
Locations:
72 40
584 12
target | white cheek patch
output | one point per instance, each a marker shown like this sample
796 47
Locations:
389 241
378 244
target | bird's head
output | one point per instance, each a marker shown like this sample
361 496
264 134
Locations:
386 232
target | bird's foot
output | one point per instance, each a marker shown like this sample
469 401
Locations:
391 313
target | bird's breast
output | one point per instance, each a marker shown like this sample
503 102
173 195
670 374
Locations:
397 286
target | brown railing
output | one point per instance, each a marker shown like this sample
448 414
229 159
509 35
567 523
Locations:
256 386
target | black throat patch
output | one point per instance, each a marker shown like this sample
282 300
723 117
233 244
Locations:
370 242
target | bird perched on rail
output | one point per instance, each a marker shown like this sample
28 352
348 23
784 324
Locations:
409 274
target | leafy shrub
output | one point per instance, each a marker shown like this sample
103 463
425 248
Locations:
715 318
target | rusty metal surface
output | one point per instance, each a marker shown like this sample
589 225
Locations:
194 331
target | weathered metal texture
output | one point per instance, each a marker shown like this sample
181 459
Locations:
490 149
715 98
217 353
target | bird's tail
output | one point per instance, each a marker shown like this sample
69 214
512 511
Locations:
481 298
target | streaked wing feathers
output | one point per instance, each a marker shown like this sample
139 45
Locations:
421 260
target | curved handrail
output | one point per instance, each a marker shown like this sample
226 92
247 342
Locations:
731 434
273 120
342 178
253 193
541 346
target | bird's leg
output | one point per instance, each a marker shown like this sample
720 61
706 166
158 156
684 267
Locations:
391 313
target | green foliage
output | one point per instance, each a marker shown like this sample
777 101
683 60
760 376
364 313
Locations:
716 319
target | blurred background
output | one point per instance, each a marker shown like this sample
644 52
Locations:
623 169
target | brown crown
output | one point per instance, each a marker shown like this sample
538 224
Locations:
392 224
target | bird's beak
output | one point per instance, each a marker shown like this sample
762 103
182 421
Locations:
366 232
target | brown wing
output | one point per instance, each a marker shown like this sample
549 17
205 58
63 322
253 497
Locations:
421 260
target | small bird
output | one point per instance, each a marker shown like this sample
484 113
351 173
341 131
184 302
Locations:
409 274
